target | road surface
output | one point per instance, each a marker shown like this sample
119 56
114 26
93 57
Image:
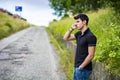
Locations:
28 55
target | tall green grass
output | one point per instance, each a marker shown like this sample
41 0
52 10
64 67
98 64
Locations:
104 23
9 25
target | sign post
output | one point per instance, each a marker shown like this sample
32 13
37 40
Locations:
18 9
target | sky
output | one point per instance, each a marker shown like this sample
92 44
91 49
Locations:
37 12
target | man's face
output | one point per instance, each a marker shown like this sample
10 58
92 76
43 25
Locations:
80 24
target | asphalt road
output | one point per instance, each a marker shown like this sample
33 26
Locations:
28 55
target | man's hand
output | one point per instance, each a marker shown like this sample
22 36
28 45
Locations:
80 67
74 26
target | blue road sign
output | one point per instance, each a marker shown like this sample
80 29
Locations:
18 8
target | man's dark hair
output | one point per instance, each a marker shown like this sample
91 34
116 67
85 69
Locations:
82 17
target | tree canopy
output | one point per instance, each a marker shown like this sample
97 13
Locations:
62 7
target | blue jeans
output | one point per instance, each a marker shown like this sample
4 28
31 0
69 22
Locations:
81 74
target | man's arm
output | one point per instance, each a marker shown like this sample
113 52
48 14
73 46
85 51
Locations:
91 51
68 35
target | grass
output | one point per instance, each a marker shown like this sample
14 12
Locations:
10 25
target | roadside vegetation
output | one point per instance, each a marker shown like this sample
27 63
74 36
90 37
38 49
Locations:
10 25
105 25
66 59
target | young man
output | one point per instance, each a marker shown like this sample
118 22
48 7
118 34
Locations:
86 43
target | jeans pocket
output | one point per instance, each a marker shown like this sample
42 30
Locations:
80 69
81 74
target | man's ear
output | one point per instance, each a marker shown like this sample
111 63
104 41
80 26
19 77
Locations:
84 22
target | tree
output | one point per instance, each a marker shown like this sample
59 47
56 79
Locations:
115 4
61 7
